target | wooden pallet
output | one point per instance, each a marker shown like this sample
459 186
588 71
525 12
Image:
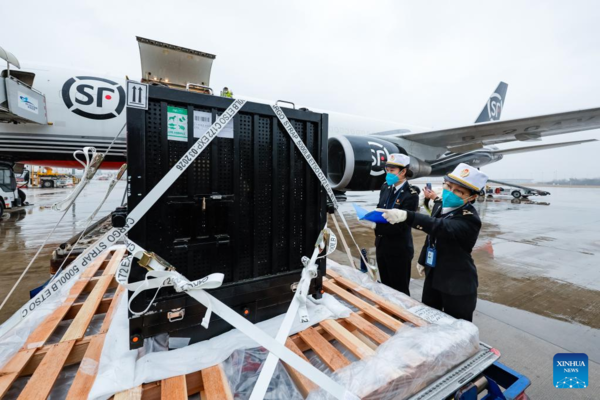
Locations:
358 333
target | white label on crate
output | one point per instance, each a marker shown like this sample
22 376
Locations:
432 315
203 121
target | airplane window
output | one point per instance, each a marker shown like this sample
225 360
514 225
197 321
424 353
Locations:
25 77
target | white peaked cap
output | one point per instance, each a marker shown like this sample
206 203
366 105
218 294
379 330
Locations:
468 176
398 160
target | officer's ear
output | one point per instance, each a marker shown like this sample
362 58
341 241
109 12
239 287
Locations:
473 197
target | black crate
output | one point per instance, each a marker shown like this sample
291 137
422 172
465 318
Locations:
249 207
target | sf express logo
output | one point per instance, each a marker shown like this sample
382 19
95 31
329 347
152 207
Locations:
494 106
93 98
379 155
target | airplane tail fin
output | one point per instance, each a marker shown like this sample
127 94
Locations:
493 108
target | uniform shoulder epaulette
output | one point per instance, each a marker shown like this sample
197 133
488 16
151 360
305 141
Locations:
467 212
414 190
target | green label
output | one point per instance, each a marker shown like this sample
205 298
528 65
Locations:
177 124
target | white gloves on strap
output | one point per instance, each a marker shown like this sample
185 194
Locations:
394 215
368 224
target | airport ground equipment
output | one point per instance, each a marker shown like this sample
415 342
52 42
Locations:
514 190
46 177
83 320
10 195
249 207
19 101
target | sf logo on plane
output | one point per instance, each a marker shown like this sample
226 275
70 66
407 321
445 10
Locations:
93 98
379 155
494 106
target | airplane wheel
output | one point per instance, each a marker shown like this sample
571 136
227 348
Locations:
1 209
47 184
516 194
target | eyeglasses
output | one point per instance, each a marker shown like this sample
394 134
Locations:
460 192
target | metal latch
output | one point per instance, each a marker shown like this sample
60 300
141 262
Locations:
176 314
294 286
147 258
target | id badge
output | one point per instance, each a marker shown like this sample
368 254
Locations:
430 257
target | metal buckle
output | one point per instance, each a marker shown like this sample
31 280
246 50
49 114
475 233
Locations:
176 314
147 258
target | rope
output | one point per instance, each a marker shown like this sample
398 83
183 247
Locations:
57 224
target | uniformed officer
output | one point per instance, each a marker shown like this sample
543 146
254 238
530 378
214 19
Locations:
451 281
394 243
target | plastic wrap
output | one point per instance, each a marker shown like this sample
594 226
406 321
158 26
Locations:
408 361
121 369
365 281
242 369
14 339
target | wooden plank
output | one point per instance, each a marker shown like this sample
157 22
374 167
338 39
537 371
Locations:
151 391
80 323
114 262
39 336
325 350
111 310
345 337
174 388
303 384
365 339
88 368
194 383
216 386
94 266
377 299
376 314
74 357
74 309
13 369
131 394
43 379
368 328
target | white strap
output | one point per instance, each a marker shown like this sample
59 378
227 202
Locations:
346 248
322 178
298 305
115 234
91 164
111 186
243 325
305 152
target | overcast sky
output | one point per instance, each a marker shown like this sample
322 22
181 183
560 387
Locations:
430 63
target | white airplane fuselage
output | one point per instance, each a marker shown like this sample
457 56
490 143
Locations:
88 109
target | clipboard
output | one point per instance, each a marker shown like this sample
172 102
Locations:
373 216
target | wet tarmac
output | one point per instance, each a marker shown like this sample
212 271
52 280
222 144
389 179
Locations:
537 261
540 255
22 233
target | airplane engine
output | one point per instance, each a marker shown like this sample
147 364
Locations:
358 162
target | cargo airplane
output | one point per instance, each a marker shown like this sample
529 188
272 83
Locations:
49 112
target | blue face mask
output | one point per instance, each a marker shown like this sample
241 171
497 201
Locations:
391 179
451 200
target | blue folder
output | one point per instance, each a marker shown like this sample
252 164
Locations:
373 216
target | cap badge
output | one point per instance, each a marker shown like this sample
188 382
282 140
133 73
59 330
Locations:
464 173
